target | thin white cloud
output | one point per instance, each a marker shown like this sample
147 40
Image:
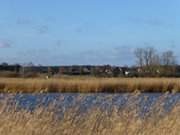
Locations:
148 21
43 29
4 44
23 21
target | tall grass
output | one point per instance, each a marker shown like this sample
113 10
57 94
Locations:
114 121
89 84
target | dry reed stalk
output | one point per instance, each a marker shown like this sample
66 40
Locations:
89 84
43 121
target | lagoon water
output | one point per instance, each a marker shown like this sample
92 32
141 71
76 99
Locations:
64 101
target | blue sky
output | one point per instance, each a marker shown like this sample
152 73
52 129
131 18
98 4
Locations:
67 32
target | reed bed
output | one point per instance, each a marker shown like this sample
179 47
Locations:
89 85
114 121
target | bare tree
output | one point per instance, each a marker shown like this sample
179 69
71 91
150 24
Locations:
149 55
139 53
168 58
146 56
156 60
154 63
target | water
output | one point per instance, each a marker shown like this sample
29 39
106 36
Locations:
86 101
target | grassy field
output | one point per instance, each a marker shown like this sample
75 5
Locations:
115 121
89 84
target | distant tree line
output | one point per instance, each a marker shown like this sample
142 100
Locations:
149 57
149 63
153 63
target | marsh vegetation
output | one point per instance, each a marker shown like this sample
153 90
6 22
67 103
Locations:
89 85
116 120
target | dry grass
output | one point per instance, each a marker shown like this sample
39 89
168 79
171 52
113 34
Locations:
116 121
89 84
